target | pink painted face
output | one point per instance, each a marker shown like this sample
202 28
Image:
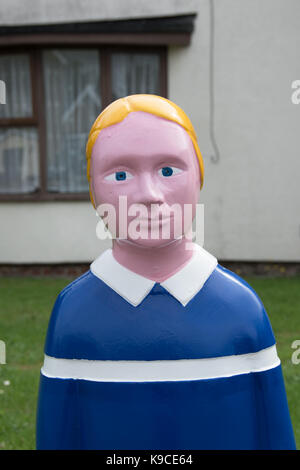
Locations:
147 169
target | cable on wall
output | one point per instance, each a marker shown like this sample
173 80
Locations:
216 156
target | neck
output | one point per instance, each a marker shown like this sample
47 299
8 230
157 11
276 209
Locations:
158 263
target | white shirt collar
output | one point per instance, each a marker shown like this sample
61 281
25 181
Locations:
183 285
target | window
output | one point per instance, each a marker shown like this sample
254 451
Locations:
53 95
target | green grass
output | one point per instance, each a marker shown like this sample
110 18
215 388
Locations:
25 306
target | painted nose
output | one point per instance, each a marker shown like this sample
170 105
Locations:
149 192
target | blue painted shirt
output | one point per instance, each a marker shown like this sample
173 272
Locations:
190 363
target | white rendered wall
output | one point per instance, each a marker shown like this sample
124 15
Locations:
49 233
252 195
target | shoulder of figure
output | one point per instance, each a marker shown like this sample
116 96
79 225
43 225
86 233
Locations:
69 315
240 310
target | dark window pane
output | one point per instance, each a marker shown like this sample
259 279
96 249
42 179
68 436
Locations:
15 72
19 167
134 73
72 95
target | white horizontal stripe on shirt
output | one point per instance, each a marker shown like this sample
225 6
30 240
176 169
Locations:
161 371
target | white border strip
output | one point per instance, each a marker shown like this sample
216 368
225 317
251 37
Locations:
160 371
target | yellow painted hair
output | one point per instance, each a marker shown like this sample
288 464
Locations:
161 107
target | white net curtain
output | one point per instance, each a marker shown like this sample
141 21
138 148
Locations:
72 95
15 72
134 73
19 167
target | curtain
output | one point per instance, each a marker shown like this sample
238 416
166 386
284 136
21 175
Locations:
134 73
19 166
72 103
15 72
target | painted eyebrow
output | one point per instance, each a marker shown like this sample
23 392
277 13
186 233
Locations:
124 161
172 160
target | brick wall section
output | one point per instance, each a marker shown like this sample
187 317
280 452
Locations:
48 270
72 271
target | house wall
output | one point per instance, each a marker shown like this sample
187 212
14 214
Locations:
251 194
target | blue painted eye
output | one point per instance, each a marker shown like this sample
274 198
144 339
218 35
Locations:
169 171
119 176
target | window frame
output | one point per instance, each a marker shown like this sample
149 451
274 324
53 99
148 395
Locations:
38 105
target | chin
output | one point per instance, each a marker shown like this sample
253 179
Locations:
151 242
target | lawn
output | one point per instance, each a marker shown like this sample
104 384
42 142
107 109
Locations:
25 306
